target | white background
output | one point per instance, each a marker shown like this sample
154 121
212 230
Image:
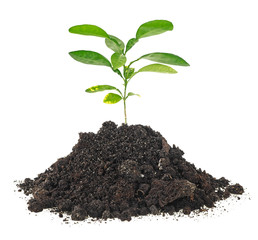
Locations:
208 109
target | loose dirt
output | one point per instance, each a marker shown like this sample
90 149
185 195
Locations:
121 172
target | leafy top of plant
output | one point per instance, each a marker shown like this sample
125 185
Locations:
118 59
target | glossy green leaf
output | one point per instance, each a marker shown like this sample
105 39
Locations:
90 30
112 98
133 94
166 58
115 44
160 68
90 57
100 88
118 60
130 44
153 28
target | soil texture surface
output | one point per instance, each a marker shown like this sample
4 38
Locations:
121 172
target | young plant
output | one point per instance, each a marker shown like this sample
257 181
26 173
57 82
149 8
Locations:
118 58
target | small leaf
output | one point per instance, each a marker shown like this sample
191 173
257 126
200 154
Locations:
115 44
118 41
167 58
118 72
153 28
133 94
128 72
90 30
118 60
130 44
157 68
90 57
99 88
112 98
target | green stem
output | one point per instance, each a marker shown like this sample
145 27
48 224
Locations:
133 62
124 98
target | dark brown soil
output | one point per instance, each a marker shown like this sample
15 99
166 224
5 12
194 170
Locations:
122 172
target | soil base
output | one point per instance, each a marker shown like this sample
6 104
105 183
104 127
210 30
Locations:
122 172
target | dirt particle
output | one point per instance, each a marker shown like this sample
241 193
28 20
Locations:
235 189
78 214
154 210
187 210
35 206
106 214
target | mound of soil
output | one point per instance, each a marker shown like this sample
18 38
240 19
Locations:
122 172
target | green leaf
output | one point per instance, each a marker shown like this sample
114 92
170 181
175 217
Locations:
112 98
100 88
153 28
90 57
118 72
130 44
90 30
133 94
167 58
128 72
160 68
118 60
115 44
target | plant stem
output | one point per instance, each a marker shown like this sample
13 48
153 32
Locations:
125 112
124 98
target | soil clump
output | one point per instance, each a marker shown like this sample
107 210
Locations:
121 172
